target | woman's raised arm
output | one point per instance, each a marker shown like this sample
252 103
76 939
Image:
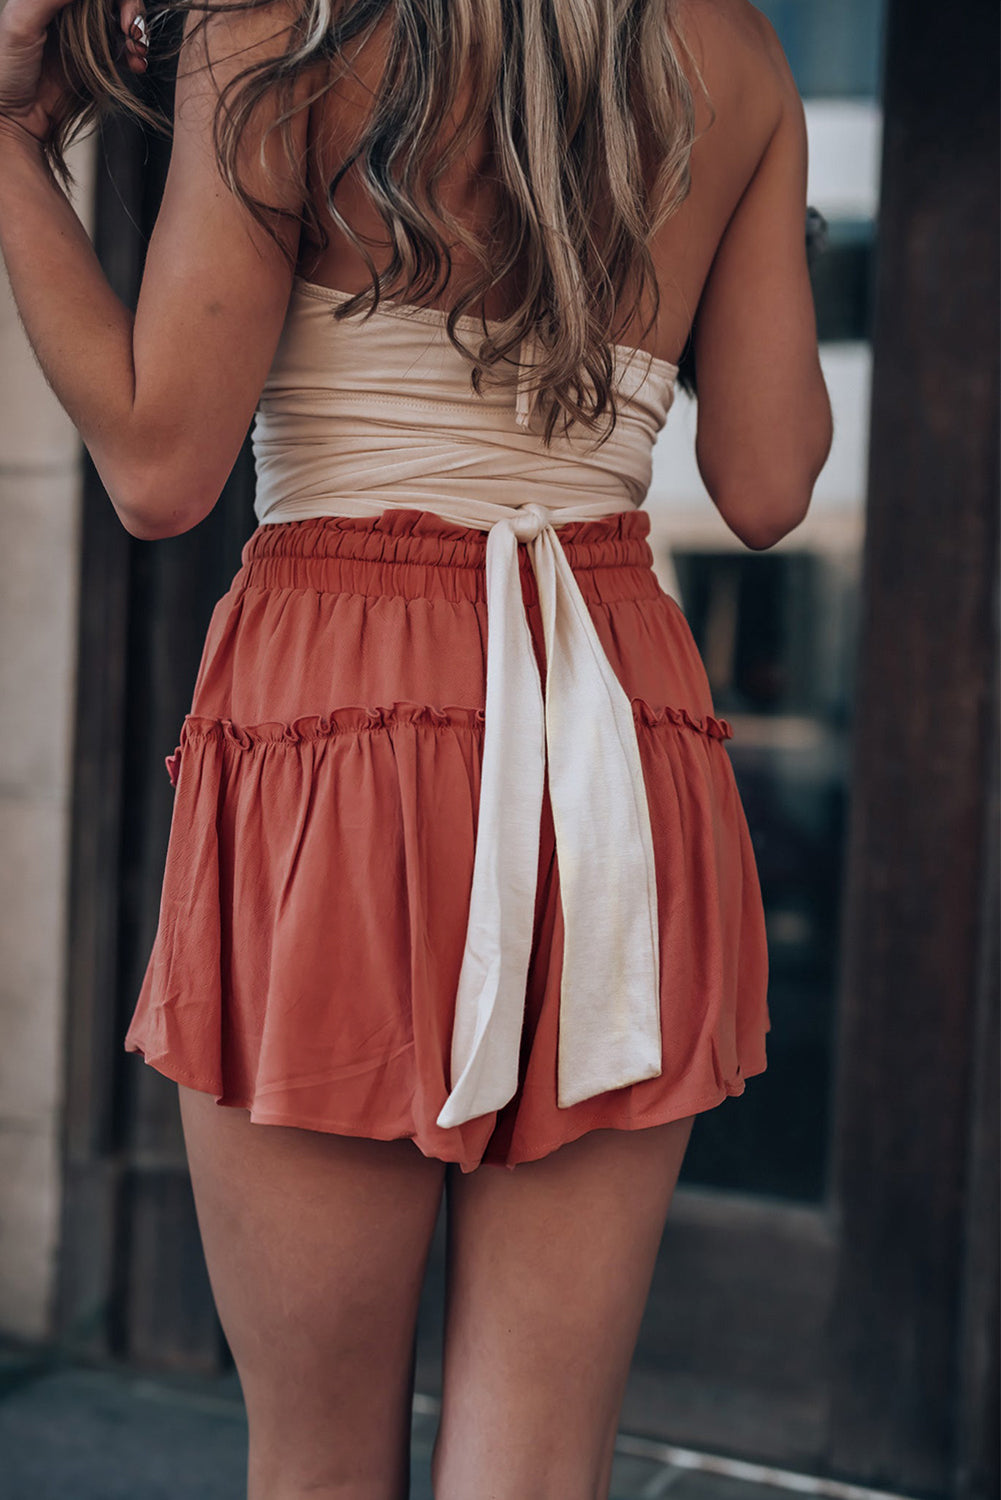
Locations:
163 398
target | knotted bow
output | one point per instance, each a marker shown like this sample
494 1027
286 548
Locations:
609 1032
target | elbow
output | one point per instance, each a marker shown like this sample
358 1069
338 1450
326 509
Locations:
763 490
760 525
154 506
764 504
156 526
762 509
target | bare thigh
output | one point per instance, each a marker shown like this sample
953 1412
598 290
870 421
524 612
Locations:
549 1270
316 1247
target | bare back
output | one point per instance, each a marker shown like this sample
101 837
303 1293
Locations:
749 93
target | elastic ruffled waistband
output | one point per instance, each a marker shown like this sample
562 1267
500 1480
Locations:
426 556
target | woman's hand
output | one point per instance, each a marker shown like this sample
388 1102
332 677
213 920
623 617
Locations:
33 90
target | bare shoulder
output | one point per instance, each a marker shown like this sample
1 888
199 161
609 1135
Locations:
220 33
734 30
739 57
219 49
223 43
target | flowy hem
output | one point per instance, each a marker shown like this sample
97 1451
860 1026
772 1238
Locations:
674 1108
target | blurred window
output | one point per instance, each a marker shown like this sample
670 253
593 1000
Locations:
834 50
778 634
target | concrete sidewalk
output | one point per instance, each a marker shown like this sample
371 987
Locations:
75 1432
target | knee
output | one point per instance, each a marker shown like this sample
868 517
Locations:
474 1470
346 1484
332 1466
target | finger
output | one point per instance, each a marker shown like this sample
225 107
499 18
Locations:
130 55
132 19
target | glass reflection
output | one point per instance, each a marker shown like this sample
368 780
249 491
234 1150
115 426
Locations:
778 633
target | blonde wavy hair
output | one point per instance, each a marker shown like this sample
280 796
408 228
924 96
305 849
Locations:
591 118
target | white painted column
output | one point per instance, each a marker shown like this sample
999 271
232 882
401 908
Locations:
40 509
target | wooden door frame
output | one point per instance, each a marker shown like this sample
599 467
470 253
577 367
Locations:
132 1281
913 1178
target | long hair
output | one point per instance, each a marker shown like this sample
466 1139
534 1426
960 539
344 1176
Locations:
591 120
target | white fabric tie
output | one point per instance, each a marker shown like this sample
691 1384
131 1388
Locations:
609 1023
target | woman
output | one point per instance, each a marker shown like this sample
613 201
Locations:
434 904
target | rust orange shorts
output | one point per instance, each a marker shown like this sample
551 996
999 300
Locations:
318 873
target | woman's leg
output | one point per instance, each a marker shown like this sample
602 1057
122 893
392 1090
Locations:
316 1247
549 1270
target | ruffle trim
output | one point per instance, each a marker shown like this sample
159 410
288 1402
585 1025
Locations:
645 713
356 720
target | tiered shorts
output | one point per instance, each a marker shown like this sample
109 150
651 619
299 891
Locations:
318 873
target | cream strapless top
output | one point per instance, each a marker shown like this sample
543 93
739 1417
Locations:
361 416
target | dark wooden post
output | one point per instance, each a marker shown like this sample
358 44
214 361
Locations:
92 1168
917 1104
132 1275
